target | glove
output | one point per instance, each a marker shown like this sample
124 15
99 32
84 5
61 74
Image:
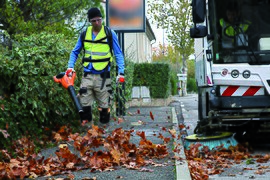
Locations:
120 78
69 72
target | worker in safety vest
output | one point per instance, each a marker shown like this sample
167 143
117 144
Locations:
233 29
98 54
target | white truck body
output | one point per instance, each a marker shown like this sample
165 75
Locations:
233 84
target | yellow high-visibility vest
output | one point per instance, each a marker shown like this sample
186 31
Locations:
229 32
98 50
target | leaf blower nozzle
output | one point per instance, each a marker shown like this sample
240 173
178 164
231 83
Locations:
67 83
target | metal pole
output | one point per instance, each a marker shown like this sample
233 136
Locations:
120 91
163 48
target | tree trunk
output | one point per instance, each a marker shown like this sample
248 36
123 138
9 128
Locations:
184 71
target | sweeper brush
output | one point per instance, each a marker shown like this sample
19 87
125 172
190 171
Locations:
224 139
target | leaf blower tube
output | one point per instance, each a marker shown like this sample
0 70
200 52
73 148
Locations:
67 83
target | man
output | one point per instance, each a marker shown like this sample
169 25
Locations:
96 82
233 30
231 26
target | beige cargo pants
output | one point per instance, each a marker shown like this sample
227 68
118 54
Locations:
91 85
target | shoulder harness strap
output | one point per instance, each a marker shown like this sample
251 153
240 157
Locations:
108 32
83 34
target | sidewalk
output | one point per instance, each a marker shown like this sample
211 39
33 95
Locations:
139 119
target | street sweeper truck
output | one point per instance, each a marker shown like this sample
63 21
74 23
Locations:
232 59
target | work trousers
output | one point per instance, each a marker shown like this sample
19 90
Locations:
91 90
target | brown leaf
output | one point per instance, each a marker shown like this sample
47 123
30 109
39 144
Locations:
94 131
84 122
263 167
172 132
57 137
116 156
66 155
96 161
70 165
71 176
166 140
181 126
141 134
33 175
151 115
146 170
260 172
88 178
263 159
140 160
120 120
129 113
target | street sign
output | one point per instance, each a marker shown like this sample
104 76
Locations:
182 77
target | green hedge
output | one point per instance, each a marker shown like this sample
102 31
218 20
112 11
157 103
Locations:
30 101
191 85
129 69
126 89
156 76
173 81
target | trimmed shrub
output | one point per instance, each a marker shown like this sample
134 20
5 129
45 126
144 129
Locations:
156 76
191 85
31 100
173 82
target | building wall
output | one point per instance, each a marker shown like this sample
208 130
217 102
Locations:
138 47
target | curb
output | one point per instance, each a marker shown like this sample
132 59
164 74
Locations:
182 170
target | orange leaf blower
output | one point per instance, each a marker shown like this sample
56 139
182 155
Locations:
67 83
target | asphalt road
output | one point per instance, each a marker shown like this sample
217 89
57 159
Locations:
237 171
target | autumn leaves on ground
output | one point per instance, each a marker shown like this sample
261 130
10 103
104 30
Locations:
96 151
99 151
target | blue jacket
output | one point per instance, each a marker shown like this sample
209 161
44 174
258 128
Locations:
116 50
